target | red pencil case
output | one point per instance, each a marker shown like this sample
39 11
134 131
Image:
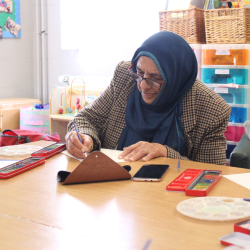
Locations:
195 182
50 150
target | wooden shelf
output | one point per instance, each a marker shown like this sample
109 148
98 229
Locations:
10 111
61 117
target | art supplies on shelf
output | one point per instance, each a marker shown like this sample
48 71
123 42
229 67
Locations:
20 167
195 182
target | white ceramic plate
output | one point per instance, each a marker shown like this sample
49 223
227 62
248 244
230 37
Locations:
18 150
215 208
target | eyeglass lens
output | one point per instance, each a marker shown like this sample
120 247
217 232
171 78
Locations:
151 83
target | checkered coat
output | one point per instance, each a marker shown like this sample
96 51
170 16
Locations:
205 117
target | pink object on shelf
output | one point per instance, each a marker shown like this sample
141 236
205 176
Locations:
234 133
35 120
34 123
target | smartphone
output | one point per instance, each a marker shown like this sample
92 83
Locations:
151 172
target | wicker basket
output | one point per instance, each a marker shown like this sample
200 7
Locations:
189 24
228 25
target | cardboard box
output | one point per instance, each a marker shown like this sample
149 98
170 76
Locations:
10 111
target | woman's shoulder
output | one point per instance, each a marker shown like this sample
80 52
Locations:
121 76
202 104
122 81
122 69
207 96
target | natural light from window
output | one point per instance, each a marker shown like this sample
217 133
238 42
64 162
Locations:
106 32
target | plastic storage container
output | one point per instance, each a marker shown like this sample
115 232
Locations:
225 57
197 51
225 54
224 75
238 115
233 95
35 120
234 133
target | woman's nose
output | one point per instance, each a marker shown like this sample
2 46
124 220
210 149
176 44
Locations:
144 85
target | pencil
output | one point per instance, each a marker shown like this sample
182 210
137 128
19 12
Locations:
79 137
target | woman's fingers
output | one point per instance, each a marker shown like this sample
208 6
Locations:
143 150
129 150
87 143
75 147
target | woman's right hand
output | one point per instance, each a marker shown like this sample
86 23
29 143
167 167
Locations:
75 147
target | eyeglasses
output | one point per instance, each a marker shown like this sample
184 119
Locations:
152 84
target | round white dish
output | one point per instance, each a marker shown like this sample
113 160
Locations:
19 150
215 208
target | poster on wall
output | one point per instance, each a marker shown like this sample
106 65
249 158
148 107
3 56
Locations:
10 19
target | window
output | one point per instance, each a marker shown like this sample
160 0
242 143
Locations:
106 32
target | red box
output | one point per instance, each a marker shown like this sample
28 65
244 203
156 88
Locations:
236 239
20 167
234 133
242 227
50 150
195 182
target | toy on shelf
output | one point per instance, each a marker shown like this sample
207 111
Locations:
75 95
35 118
52 97
62 102
82 92
78 106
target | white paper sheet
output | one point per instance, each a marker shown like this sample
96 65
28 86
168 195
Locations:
4 163
241 179
113 154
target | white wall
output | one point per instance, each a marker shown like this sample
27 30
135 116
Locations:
100 51
16 58
74 62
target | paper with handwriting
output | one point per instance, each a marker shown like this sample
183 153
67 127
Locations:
111 153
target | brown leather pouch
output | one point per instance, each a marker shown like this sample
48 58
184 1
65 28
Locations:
96 167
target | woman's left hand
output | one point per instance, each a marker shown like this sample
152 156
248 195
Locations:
143 150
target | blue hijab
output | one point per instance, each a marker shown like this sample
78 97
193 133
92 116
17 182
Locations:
160 122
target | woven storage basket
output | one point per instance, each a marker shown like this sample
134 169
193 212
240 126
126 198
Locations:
228 25
188 24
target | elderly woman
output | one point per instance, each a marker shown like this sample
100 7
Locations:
155 107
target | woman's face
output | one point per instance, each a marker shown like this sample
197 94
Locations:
146 68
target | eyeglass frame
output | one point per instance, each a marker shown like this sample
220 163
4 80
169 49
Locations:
143 78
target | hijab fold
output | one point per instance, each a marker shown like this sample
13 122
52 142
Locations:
160 122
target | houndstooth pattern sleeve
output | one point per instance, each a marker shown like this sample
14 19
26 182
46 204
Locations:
104 119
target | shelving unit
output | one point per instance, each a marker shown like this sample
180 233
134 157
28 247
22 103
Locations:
65 99
10 111
225 69
197 51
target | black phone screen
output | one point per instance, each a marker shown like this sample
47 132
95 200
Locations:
152 171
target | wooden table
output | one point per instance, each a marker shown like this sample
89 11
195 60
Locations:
37 212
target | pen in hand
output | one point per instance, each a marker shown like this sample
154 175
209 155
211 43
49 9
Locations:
178 167
85 154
